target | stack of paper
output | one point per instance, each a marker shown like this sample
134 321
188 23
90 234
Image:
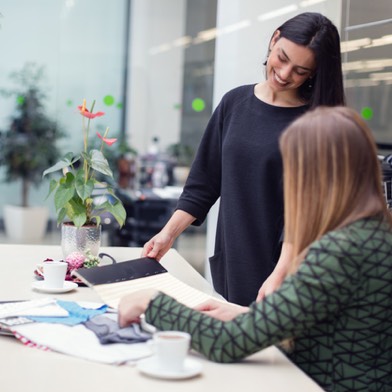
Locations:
112 282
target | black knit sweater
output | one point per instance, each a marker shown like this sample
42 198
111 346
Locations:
239 161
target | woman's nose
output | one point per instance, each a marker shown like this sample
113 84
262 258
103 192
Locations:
285 71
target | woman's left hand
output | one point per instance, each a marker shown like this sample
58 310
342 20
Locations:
133 305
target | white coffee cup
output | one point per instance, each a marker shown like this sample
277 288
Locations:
54 274
171 349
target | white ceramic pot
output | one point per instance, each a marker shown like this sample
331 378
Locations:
74 239
25 224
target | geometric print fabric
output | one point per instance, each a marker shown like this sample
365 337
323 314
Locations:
336 310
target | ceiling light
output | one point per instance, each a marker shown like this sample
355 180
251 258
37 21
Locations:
385 40
278 12
381 76
349 46
182 41
236 26
366 65
308 3
160 49
352 83
207 35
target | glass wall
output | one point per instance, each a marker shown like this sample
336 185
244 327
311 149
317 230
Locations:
148 64
367 55
80 47
157 68
171 71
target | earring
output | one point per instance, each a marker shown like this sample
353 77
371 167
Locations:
266 60
310 85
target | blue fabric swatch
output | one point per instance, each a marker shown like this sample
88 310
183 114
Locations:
77 314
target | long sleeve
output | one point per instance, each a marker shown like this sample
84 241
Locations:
314 293
202 188
337 309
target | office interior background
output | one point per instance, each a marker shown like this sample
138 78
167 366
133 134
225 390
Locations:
157 68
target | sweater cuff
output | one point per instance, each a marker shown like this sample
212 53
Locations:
151 309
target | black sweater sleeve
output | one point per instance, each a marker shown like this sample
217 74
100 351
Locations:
202 187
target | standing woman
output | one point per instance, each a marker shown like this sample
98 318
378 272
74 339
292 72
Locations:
238 159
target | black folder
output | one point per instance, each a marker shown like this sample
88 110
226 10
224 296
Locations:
119 272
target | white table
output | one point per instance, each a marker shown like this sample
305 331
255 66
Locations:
23 368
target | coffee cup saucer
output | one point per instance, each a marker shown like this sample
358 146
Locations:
150 367
40 286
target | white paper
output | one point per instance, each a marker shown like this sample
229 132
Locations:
111 293
42 307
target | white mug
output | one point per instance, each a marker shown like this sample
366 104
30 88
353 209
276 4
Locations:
54 273
171 349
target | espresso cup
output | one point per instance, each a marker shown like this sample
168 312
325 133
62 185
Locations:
54 273
171 349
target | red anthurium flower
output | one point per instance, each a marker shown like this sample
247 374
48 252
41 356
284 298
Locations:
108 141
86 113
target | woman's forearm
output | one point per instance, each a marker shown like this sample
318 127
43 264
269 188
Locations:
178 222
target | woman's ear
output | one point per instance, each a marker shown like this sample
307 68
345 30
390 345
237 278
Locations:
274 39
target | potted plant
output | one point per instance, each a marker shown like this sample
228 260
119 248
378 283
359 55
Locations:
27 147
182 155
124 160
79 208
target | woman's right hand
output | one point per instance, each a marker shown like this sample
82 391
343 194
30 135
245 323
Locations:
158 245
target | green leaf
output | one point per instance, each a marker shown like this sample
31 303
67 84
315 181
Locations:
62 196
79 220
67 179
112 194
84 190
61 215
97 219
116 209
66 161
76 211
52 186
100 163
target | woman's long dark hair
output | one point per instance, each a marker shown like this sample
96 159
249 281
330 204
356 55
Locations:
318 33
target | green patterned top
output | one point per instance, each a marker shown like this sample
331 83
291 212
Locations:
337 307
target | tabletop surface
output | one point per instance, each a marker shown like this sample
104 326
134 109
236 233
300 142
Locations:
23 368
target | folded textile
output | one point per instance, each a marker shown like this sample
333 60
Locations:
77 314
78 341
107 330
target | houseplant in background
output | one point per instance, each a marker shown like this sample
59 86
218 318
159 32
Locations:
27 147
182 155
123 159
79 209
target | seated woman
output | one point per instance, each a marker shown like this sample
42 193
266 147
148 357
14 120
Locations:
334 306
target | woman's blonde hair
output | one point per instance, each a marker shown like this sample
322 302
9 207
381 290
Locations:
332 175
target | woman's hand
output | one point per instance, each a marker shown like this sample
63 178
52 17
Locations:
158 245
133 305
272 283
224 311
280 272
